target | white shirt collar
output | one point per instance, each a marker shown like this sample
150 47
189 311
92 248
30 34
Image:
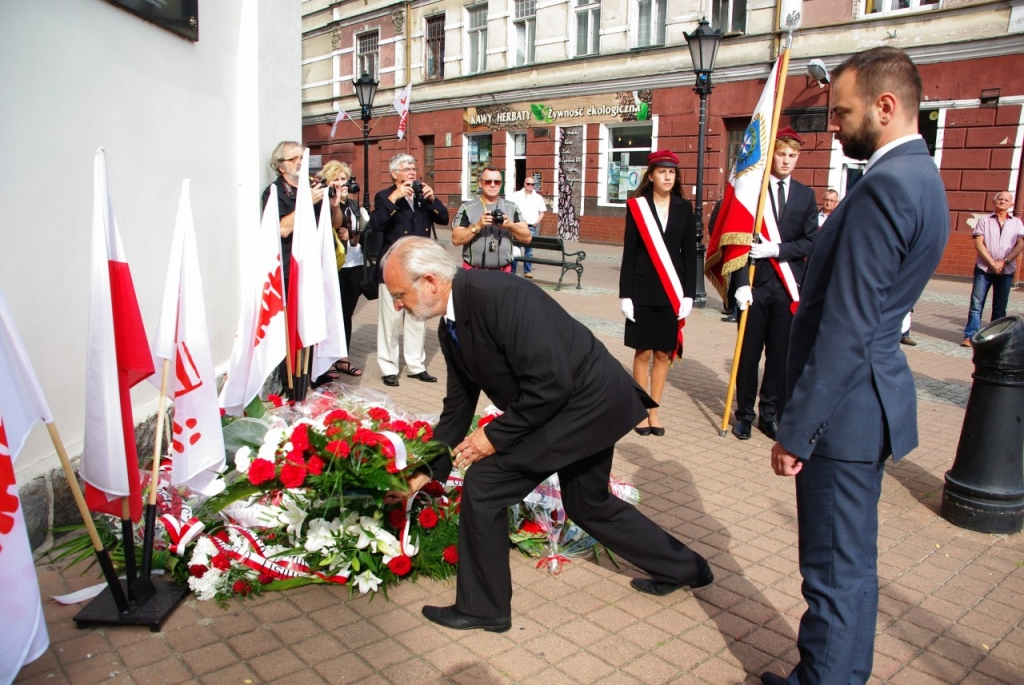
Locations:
889 146
776 179
450 312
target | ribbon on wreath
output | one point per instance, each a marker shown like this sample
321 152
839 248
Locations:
554 563
181 533
252 553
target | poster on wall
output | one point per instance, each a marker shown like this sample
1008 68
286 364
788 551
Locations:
570 181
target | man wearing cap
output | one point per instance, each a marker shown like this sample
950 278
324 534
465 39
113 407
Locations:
785 240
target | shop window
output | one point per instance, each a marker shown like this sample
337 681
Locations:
651 23
477 23
730 15
478 150
428 158
588 27
627 148
435 48
876 7
367 52
525 25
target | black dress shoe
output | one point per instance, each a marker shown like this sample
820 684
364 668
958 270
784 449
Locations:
731 318
769 428
658 430
642 430
450 617
769 678
423 376
391 380
742 429
652 587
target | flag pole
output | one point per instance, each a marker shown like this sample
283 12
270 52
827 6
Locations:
143 588
287 343
90 526
765 179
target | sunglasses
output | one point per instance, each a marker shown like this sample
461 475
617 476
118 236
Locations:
528 184
491 181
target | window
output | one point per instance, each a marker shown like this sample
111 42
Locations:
435 48
730 15
627 149
428 158
525 23
479 150
366 54
651 24
477 23
890 6
735 130
588 27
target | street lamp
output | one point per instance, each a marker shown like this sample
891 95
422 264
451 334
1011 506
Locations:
366 89
703 44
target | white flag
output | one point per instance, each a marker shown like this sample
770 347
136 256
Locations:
22 405
260 339
183 339
342 115
307 317
402 99
334 346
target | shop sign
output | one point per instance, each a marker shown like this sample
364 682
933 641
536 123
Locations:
610 108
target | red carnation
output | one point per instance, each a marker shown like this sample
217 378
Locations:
334 430
396 518
315 465
300 437
222 535
275 400
387 449
451 554
379 414
400 565
428 518
336 415
531 527
221 562
197 570
292 475
484 420
434 488
339 448
260 471
295 457
266 579
241 587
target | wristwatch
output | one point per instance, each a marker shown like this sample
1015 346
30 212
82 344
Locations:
475 230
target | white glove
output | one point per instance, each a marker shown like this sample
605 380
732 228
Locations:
626 305
744 297
685 307
764 250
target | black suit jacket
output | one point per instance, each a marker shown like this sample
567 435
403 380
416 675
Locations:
563 395
852 395
798 228
637 278
395 220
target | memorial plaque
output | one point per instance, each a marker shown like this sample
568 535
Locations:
178 16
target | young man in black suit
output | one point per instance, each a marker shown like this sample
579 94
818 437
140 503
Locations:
779 267
851 394
566 401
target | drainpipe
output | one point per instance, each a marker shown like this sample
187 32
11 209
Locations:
408 68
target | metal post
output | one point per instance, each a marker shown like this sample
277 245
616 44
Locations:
703 89
366 158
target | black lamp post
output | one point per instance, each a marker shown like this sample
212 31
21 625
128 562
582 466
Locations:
703 44
366 89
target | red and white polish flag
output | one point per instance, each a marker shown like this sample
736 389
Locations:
342 116
307 316
260 338
334 346
22 405
117 358
402 100
183 339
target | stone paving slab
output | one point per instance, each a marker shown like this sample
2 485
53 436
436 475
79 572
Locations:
950 608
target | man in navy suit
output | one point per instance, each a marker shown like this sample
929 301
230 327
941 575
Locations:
566 401
851 394
778 258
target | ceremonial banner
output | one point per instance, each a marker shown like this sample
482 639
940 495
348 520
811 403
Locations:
307 317
117 358
22 405
334 346
730 242
260 338
402 99
342 115
183 339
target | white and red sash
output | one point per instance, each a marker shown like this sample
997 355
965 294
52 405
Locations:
655 243
770 232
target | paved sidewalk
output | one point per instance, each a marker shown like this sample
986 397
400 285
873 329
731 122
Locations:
950 607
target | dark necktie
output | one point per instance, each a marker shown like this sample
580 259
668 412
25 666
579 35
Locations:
782 199
449 328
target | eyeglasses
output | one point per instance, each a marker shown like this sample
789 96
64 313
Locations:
399 297
491 181
292 159
528 184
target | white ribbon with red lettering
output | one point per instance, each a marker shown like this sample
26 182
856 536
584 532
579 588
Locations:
770 231
251 552
648 228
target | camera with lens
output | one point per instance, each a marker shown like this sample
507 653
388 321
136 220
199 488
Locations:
353 187
497 217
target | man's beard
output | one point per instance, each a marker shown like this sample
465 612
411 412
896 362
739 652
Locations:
422 311
862 143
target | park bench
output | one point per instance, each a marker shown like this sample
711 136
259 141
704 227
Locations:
544 243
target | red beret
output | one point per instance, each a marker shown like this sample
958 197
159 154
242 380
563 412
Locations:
789 134
663 158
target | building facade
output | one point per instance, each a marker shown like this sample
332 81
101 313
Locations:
577 92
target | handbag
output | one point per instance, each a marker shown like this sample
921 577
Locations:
371 241
369 286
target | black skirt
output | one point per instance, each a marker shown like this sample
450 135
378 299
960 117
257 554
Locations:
655 328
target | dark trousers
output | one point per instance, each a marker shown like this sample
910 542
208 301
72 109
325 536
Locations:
484 584
837 516
348 280
768 324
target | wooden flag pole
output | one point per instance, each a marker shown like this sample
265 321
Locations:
765 179
287 344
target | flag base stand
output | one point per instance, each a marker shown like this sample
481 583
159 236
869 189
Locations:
102 610
723 434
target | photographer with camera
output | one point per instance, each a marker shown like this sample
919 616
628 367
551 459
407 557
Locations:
407 208
485 226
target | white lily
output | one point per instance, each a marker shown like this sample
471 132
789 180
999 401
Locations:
292 517
321 535
367 582
243 459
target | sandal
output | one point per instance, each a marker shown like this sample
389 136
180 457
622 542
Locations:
345 366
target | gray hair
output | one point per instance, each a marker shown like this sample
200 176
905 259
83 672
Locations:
418 256
277 156
398 160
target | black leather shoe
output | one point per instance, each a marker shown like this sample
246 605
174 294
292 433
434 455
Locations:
450 617
731 318
658 430
769 678
742 429
391 380
642 430
652 587
769 428
423 376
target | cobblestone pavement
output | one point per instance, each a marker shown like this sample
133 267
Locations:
950 608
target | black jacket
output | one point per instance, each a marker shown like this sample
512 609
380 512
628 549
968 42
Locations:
637 278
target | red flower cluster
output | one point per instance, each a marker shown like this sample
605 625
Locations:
428 518
531 527
275 400
339 448
451 554
221 562
241 587
197 570
396 518
260 471
400 565
379 414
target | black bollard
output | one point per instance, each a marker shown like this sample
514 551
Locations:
985 488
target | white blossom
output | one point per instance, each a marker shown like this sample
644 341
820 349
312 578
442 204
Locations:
321 534
367 582
243 458
291 516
